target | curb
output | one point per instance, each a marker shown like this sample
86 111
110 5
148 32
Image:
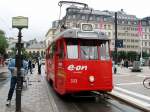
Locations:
51 99
135 102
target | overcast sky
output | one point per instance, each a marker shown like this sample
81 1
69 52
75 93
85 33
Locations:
41 13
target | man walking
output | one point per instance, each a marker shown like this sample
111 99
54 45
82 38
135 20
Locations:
30 66
39 65
13 71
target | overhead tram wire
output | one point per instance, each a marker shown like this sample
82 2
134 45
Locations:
68 2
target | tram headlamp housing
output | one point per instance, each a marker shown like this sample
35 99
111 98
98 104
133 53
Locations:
91 78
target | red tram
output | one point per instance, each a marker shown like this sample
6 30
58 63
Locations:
79 60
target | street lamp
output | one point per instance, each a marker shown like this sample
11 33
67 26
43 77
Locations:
19 23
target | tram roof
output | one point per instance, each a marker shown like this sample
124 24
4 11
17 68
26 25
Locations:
77 33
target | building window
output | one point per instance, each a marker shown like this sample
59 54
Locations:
109 34
145 36
61 50
91 18
122 21
74 16
145 30
97 18
83 17
96 26
145 43
104 26
109 27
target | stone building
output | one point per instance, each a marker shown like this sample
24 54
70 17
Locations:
36 48
32 46
104 20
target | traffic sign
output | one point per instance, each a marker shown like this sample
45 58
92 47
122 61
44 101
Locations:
119 43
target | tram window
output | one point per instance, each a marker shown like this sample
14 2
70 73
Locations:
61 50
88 50
72 49
104 51
52 50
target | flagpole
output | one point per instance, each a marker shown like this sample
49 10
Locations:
141 57
141 38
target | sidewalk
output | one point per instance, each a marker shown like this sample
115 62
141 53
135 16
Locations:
3 69
36 98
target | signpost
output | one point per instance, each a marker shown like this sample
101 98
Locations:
19 23
119 43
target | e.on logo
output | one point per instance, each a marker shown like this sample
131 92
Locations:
77 68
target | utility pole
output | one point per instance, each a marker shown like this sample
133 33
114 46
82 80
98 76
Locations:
116 56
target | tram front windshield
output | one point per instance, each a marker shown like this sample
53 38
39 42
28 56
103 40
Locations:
88 49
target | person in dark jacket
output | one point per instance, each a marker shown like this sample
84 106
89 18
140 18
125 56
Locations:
39 65
30 66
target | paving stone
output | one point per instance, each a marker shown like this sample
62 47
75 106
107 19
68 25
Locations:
34 98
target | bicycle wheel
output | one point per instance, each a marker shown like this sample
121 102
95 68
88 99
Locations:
146 83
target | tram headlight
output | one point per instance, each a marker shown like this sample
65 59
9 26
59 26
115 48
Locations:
91 78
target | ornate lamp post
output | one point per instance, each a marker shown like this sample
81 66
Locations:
19 23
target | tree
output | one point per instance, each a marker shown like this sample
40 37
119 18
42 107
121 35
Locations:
122 55
25 54
132 55
3 43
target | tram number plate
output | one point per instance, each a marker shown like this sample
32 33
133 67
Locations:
74 81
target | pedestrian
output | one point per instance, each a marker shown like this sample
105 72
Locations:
13 71
39 65
127 63
115 68
149 63
122 63
30 66
39 68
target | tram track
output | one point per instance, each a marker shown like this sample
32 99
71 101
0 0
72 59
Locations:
87 104
104 105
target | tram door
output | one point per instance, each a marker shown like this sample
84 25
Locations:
59 57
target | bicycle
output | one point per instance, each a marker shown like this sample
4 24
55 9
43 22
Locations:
146 82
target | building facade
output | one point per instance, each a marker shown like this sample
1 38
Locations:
32 46
127 27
